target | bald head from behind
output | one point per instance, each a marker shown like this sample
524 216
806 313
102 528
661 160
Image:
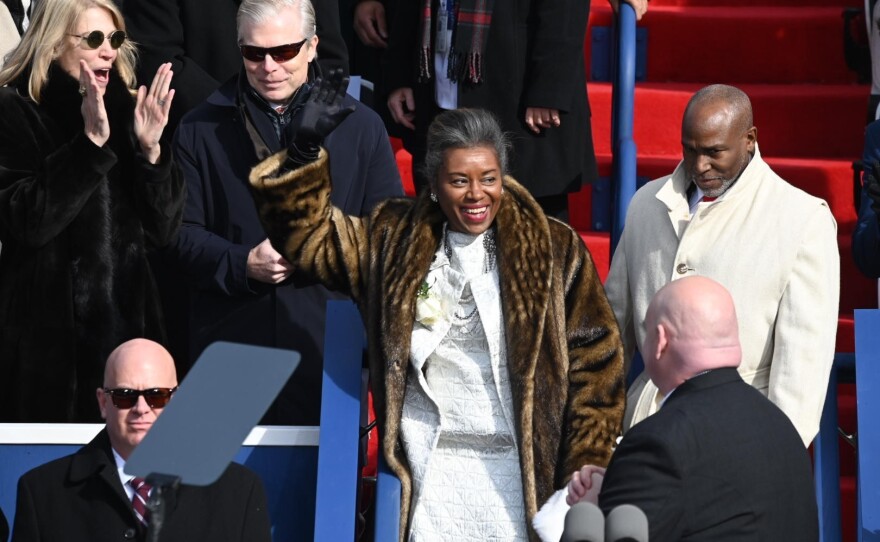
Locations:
138 364
691 327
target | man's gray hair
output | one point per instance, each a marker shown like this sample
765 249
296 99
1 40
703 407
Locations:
259 11
463 129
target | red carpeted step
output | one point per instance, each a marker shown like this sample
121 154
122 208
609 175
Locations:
811 112
599 244
404 164
753 3
741 45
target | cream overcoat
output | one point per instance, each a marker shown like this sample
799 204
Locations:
773 246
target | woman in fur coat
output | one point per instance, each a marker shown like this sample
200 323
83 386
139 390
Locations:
495 360
86 188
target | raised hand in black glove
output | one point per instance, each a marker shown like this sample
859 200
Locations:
872 186
321 114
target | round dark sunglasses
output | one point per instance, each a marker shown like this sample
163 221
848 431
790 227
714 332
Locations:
279 53
125 398
95 38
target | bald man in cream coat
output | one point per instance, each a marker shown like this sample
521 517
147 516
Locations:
724 214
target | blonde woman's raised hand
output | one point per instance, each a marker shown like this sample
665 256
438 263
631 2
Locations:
151 112
95 123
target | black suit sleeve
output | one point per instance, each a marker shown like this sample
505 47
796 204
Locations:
644 471
332 52
26 527
157 27
557 54
4 526
257 526
399 60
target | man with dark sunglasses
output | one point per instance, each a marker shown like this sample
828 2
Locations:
242 289
88 496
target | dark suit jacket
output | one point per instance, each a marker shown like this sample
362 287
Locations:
200 39
717 462
80 498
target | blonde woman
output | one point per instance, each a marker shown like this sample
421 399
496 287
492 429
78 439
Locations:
86 188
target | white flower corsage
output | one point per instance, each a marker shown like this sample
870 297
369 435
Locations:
429 307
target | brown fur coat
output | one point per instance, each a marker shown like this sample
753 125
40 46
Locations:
563 348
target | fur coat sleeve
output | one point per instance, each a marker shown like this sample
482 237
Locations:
563 349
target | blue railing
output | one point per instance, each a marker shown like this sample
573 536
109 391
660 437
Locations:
623 176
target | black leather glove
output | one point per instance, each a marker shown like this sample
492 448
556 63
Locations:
872 186
321 114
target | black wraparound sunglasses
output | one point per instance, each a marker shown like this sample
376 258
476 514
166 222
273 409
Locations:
95 38
279 53
126 398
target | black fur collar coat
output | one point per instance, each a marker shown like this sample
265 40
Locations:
76 222
564 353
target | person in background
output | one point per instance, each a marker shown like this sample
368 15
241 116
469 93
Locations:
9 38
495 364
243 289
88 496
866 235
20 11
524 61
724 214
87 189
719 461
204 56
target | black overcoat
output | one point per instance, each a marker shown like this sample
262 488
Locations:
221 225
533 58
76 222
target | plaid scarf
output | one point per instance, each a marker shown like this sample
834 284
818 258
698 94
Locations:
472 19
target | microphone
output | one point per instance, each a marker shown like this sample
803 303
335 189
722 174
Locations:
584 522
626 523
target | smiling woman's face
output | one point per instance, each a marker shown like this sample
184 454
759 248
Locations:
468 188
99 60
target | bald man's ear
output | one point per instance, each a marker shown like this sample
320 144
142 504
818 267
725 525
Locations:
662 342
102 402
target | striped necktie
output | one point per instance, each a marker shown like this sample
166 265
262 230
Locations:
139 499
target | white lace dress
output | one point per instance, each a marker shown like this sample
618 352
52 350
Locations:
457 422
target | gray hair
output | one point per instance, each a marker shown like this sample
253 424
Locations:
259 11
736 98
462 129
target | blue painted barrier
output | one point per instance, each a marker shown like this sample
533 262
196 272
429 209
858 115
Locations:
285 458
336 500
867 323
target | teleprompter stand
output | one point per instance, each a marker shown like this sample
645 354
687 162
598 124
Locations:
224 395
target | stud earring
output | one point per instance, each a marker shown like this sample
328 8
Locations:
434 197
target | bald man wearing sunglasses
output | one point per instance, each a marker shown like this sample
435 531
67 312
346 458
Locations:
88 496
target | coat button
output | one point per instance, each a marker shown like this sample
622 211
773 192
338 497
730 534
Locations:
681 268
129 534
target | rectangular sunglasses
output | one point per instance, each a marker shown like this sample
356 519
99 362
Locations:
95 38
125 398
279 53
